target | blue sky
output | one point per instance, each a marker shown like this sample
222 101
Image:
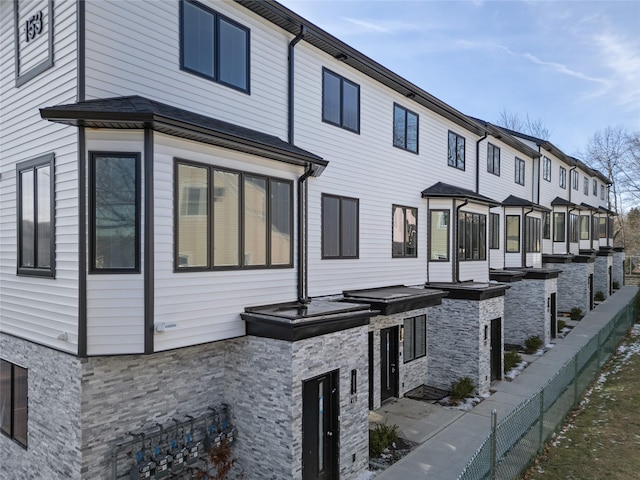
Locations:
573 64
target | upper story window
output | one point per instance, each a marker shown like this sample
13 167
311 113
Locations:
340 227
415 338
405 129
213 46
513 233
585 186
114 243
601 192
563 177
532 235
574 179
493 159
405 231
13 402
494 231
455 155
595 187
439 235
340 101
227 219
36 236
472 236
546 168
520 171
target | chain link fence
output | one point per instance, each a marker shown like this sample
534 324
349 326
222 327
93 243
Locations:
520 436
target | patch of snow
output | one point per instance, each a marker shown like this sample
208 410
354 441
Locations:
517 370
368 474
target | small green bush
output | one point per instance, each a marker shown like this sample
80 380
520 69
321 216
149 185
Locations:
511 359
616 285
381 437
533 344
561 325
599 296
575 313
462 389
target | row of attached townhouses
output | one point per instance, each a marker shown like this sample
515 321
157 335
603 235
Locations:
217 219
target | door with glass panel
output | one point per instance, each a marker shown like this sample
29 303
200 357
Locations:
320 435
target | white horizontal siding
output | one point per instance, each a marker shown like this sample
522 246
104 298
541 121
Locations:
129 43
206 306
499 187
39 309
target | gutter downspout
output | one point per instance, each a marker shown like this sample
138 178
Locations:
478 160
456 266
292 44
524 236
303 198
571 180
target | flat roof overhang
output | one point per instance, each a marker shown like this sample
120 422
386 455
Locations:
396 299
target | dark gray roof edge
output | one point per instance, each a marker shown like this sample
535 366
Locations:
513 201
316 36
502 134
445 190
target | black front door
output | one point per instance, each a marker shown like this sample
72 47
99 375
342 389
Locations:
496 349
591 292
371 349
610 280
320 435
388 363
554 319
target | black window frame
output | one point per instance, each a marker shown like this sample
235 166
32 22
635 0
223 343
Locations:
559 234
406 232
410 337
602 227
595 187
546 225
575 180
494 231
507 248
585 186
532 235
520 171
11 402
341 123
212 192
574 228
562 181
601 192
93 155
216 47
325 225
584 223
456 162
546 168
464 220
47 160
401 141
493 163
447 215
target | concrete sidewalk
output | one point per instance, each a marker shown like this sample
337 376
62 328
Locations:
451 437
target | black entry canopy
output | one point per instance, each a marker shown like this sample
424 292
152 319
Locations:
445 190
136 112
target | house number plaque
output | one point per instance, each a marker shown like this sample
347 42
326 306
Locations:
34 26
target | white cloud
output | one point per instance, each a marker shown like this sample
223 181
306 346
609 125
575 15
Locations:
380 26
622 58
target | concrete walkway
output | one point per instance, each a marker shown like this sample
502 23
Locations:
451 437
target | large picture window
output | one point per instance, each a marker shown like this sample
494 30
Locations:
472 236
13 401
114 243
584 227
559 227
405 231
455 151
340 101
493 159
494 231
532 235
439 235
546 168
513 233
229 219
405 129
213 46
340 230
520 171
36 239
415 338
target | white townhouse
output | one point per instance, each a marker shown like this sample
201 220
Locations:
218 220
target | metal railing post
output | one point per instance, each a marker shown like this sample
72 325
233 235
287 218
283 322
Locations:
575 379
541 420
494 442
